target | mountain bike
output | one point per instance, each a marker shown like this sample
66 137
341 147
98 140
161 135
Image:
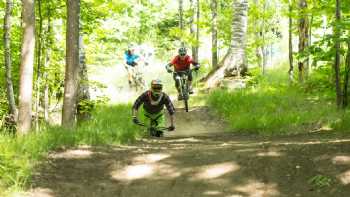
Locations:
182 78
137 81
154 129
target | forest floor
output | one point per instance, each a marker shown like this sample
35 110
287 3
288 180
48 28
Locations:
199 159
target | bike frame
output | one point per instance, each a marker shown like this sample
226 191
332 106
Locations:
154 129
182 77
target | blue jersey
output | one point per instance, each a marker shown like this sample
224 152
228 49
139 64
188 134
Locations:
130 58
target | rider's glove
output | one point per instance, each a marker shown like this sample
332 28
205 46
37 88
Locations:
171 128
167 67
196 68
135 120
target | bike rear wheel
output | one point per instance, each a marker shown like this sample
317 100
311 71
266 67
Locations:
186 104
185 95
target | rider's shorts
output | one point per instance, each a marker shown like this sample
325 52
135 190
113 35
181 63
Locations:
131 63
189 74
157 119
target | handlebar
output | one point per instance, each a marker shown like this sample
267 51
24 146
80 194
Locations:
158 128
184 72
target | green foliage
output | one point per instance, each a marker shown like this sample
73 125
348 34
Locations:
320 181
19 155
271 106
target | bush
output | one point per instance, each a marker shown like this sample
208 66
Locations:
271 106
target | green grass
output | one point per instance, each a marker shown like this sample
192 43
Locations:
19 155
271 106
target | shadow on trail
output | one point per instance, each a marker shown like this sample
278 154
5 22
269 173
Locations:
224 165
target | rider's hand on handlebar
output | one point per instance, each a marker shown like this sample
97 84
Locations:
196 68
169 70
135 120
171 128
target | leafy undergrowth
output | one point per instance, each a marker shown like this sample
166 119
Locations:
19 155
272 106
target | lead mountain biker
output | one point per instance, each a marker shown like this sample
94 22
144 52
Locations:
182 62
153 102
131 61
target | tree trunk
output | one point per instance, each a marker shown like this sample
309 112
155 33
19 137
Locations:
193 25
257 35
181 22
346 77
309 65
234 63
291 66
195 56
38 70
84 107
264 50
72 64
48 45
8 62
337 56
303 37
26 68
214 33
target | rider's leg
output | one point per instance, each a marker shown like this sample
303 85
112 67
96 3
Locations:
190 79
153 120
177 85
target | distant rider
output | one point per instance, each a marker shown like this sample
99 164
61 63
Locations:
131 61
182 62
153 102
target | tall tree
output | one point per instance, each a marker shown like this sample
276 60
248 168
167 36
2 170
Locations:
303 38
71 81
290 31
38 68
83 111
26 68
196 49
194 27
8 62
337 54
346 77
264 49
214 32
181 20
48 45
234 63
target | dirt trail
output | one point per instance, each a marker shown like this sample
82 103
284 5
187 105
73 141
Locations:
201 165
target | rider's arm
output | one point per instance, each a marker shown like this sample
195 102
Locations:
171 109
194 63
168 67
139 101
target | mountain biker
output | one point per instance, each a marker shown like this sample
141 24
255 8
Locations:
153 102
131 61
182 62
